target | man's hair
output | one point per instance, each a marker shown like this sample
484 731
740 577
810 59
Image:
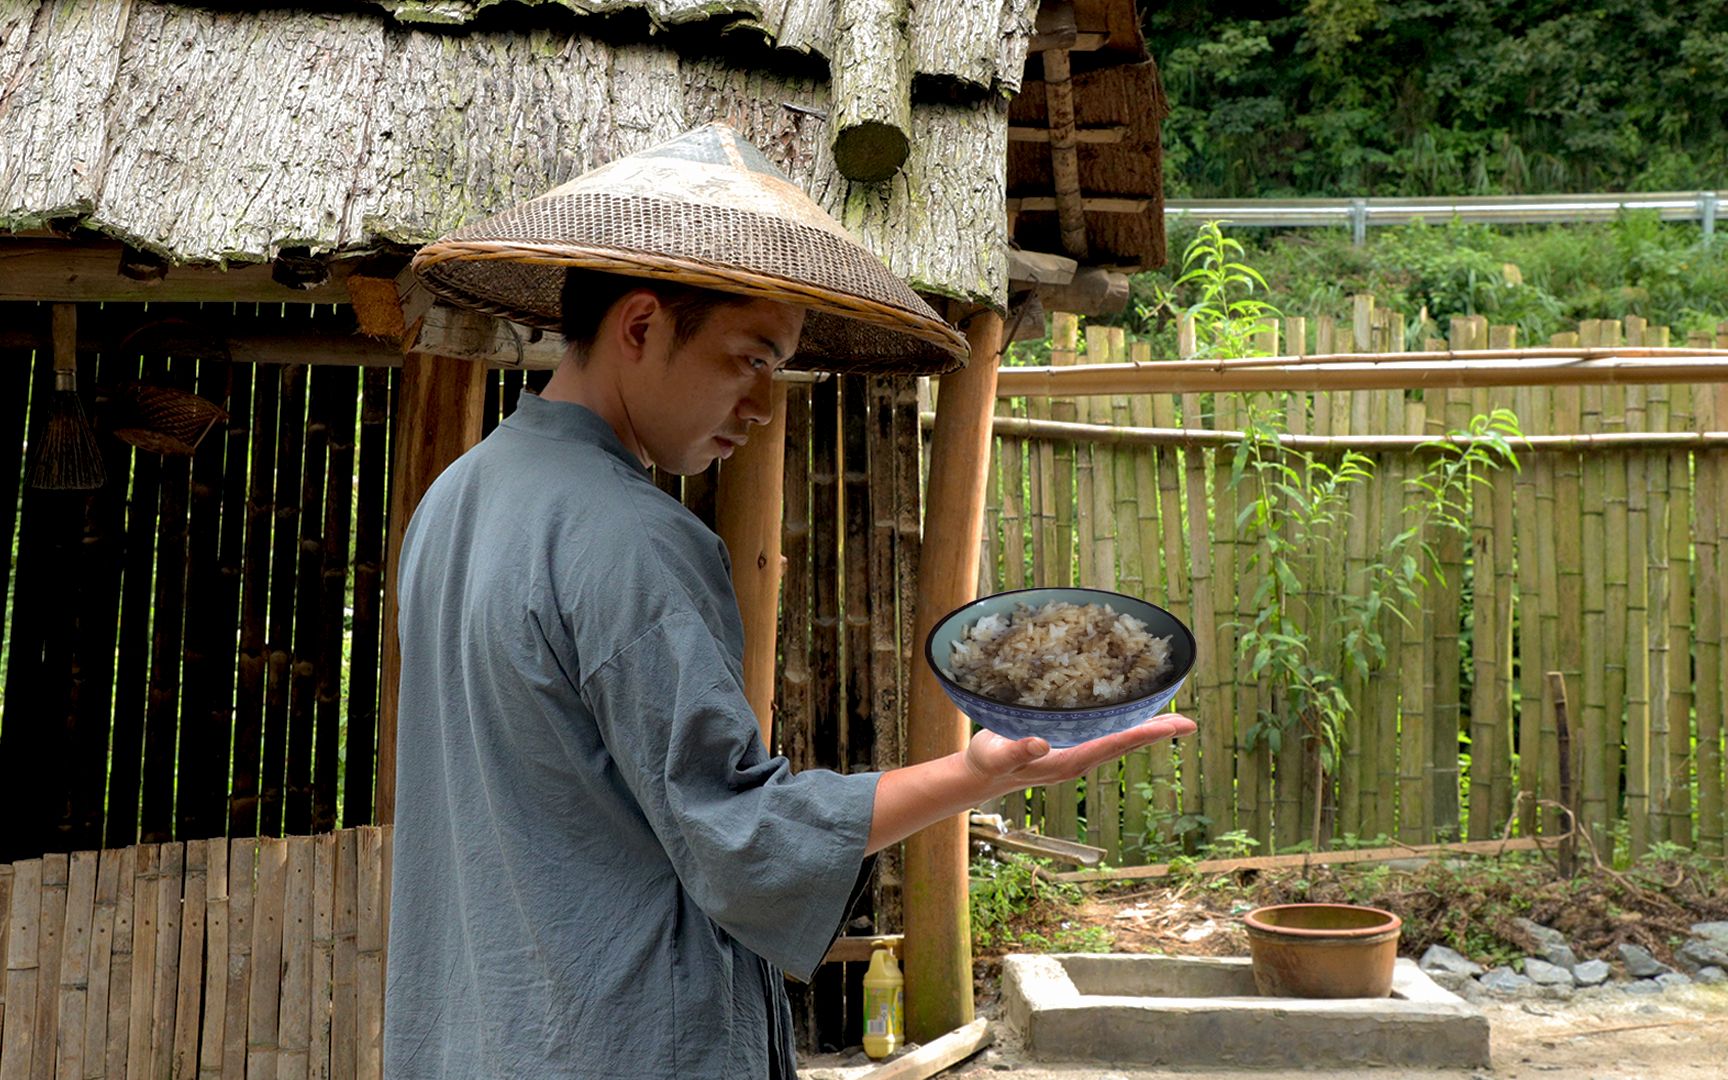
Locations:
589 294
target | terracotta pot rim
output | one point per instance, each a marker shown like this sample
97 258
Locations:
1390 924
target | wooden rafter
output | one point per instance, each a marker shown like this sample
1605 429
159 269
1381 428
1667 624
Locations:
1094 136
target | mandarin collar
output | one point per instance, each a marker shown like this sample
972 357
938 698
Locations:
567 421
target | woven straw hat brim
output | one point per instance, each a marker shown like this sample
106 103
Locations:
704 210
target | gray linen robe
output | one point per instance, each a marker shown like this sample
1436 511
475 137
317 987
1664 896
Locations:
599 870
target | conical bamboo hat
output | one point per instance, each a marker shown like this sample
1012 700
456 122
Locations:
705 209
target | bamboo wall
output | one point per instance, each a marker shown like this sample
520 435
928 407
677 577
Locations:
209 958
1605 564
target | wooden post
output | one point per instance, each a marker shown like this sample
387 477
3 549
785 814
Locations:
442 406
748 517
938 924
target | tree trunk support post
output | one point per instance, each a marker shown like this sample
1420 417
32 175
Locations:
441 403
749 509
938 922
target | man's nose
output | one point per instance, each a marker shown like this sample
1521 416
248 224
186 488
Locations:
758 404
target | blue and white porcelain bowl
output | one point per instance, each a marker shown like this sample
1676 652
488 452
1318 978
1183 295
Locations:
1060 727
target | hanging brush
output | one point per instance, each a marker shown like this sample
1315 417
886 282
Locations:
67 458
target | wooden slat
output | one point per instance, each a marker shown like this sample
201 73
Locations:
194 913
1680 626
23 970
1415 695
323 954
294 1011
1636 484
936 1055
100 965
170 877
242 867
1173 559
268 911
215 1004
119 1027
145 913
369 956
344 924
75 965
5 935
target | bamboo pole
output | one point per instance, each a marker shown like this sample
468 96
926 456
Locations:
1680 622
1569 554
365 643
1172 562
1637 636
748 510
1504 499
1655 556
1061 801
1356 374
278 642
1529 620
859 735
1446 706
1329 350
1546 533
886 680
1706 543
1596 807
1378 723
1235 776
795 698
1415 699
1616 577
1166 435
938 937
306 646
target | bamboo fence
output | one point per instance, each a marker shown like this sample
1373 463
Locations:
1602 557
209 958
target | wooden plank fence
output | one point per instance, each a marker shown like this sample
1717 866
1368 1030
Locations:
1604 562
206 958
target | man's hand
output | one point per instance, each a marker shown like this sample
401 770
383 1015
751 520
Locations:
1012 764
909 798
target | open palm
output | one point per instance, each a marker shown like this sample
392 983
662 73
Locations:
1018 763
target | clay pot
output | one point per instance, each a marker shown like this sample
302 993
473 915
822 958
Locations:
1323 950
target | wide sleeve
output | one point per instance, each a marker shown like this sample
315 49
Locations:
770 855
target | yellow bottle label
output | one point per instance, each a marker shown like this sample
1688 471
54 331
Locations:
883 1010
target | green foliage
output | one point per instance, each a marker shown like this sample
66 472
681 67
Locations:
1432 97
1015 906
1638 265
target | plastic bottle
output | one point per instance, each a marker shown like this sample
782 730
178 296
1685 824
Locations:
884 1005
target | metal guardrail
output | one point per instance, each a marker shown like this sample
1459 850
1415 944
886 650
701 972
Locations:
1359 213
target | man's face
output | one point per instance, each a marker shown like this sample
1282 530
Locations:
694 402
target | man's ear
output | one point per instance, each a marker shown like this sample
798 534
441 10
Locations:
633 318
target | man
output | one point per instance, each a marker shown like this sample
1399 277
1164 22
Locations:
599 869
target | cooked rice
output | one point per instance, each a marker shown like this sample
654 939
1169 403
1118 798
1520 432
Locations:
1060 656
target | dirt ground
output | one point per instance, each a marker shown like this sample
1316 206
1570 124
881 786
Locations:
1677 1034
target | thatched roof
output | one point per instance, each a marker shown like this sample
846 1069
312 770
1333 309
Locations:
977 43
220 136
211 136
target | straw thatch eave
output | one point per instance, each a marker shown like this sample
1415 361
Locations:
212 137
978 44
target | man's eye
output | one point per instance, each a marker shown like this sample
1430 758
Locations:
759 364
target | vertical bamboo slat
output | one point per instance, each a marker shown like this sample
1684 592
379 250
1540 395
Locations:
365 644
342 387
285 539
860 733
792 704
192 899
1530 671
209 626
1679 542
250 674
142 997
1214 776
216 974
170 878
886 679
344 928
23 970
104 922
1595 808
116 1050
74 983
268 912
1634 481
1655 466
369 956
242 868
1415 743
1707 700
294 1009
1172 564
1061 801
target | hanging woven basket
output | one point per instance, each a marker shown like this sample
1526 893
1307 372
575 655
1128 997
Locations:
163 420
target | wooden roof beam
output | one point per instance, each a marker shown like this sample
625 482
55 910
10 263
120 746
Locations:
1093 136
1064 154
1057 28
1092 204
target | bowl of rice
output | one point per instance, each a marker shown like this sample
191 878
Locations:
1065 665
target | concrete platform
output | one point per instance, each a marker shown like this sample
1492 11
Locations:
1205 1013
